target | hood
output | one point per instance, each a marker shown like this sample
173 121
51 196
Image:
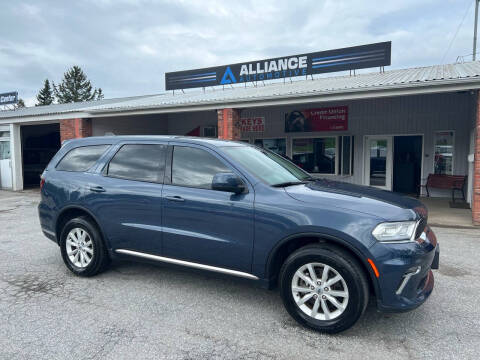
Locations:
369 200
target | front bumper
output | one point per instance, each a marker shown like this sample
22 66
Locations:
406 279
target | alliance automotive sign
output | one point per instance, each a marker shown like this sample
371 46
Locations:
9 98
356 57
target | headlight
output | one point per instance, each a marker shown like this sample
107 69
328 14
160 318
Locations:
394 231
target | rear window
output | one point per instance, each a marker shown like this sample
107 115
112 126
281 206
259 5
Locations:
81 158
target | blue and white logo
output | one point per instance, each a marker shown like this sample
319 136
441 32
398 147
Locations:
228 77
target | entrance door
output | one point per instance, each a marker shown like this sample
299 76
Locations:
407 160
5 165
378 161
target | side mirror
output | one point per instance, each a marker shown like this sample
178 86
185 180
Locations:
228 182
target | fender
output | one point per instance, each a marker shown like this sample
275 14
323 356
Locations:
360 255
80 207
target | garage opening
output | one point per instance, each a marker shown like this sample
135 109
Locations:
39 145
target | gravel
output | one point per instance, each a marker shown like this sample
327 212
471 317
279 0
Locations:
152 312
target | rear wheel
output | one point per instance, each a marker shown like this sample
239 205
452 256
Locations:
82 247
323 288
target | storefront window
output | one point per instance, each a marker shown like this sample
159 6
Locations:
4 134
444 150
278 146
315 155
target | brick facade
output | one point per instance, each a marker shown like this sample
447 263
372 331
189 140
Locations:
476 169
227 129
75 128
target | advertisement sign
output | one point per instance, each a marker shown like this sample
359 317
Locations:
252 124
9 98
356 57
333 118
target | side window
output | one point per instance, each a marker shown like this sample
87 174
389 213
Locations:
195 167
140 162
81 158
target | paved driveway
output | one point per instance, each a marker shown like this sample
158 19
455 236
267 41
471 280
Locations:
142 311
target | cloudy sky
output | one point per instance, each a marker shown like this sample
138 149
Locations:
126 46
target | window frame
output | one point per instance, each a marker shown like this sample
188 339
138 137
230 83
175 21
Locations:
120 146
107 147
435 132
309 136
352 144
168 180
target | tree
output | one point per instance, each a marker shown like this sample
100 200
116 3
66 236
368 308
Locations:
45 95
99 94
20 104
75 87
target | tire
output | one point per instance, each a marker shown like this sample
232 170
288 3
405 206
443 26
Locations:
352 288
92 248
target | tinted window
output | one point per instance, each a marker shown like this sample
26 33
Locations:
195 167
81 158
139 162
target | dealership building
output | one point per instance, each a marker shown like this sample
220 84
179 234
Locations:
390 129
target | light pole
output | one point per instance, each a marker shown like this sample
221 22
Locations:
475 31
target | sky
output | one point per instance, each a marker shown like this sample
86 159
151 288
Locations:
126 46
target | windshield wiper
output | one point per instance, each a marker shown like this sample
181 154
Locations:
289 183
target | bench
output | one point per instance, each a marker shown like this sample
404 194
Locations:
441 181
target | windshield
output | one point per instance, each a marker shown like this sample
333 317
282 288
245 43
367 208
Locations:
267 166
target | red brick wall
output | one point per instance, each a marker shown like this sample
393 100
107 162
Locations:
227 119
75 128
476 169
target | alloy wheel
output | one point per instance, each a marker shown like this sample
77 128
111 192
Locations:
320 291
79 246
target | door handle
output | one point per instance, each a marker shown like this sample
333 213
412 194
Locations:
97 189
175 198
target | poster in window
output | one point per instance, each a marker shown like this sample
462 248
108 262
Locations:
334 118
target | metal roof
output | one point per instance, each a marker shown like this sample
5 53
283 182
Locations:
418 79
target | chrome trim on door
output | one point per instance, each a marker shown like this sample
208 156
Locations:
187 263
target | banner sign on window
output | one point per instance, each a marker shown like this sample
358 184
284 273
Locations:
252 124
333 118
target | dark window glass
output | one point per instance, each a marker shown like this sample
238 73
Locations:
195 167
278 146
315 155
346 149
81 158
139 162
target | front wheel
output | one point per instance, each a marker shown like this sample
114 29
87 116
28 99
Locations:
323 288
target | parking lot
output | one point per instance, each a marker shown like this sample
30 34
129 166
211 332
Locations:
143 311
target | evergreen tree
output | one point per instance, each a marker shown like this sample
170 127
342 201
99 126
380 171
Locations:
45 95
75 87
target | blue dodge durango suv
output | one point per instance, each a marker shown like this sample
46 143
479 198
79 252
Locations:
237 209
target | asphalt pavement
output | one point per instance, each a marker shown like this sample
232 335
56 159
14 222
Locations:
138 311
